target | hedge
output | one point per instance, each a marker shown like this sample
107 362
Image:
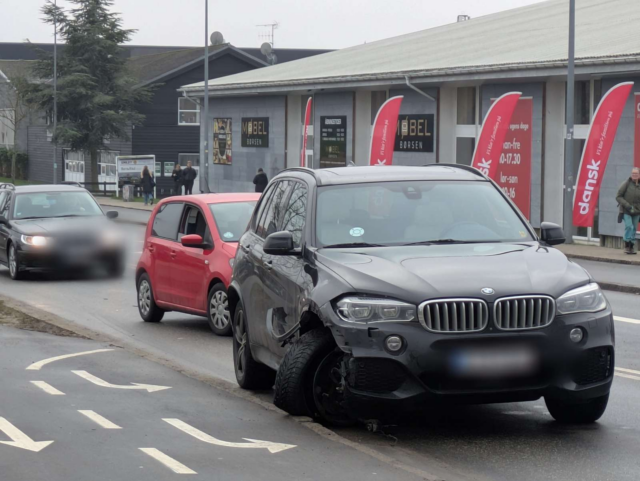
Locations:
22 163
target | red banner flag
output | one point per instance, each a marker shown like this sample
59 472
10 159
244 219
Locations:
596 152
495 127
383 135
307 117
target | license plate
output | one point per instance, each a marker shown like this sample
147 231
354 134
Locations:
493 363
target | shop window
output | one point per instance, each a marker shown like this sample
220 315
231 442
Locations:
466 106
188 112
184 158
377 99
581 108
464 150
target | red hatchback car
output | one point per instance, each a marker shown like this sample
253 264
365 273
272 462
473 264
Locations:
188 253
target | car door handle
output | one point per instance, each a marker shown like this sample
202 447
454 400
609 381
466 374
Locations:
151 248
245 248
173 254
268 265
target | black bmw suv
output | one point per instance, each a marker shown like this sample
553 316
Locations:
56 227
364 291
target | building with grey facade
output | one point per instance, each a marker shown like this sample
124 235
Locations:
449 76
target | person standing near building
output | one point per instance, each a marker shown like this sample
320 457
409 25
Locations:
260 181
176 175
147 185
189 175
629 200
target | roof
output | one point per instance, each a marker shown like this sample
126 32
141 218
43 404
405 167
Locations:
367 174
22 189
16 68
216 198
532 36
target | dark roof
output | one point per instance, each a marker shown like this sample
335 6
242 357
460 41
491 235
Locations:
366 174
286 54
14 68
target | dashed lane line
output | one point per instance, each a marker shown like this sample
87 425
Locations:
99 420
630 371
36 366
175 466
628 376
48 388
626 319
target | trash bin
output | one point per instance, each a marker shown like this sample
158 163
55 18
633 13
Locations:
127 193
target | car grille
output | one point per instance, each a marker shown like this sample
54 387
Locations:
523 312
454 315
593 366
376 375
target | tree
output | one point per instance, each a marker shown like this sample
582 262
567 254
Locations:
15 108
97 98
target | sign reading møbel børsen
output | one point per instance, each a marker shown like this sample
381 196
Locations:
514 168
255 132
333 141
415 133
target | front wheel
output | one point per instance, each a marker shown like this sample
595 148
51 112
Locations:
14 264
147 307
219 317
585 413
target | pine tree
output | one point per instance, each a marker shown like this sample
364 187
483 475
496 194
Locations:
97 98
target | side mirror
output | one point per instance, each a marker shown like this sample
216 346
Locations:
551 234
3 220
112 214
279 244
192 240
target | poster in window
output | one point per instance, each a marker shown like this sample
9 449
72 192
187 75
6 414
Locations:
255 132
222 141
415 133
333 142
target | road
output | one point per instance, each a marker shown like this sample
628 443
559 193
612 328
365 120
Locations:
500 442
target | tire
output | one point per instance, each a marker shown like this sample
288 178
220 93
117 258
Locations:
250 374
13 262
116 268
586 413
147 307
218 308
305 385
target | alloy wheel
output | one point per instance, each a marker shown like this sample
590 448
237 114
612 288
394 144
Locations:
144 297
219 310
13 264
328 390
241 340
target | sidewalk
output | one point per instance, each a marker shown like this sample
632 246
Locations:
109 202
600 254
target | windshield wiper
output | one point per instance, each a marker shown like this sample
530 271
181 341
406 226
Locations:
31 217
449 241
352 244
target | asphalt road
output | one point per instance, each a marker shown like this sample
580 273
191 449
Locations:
65 427
499 442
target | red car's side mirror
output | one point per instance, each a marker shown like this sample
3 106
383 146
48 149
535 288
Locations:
192 240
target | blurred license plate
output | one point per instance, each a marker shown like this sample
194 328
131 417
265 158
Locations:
491 363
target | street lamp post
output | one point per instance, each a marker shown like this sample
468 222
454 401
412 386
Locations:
206 96
569 180
55 91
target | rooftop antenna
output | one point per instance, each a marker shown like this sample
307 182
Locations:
270 37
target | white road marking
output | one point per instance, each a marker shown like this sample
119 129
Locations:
99 420
20 439
36 366
631 371
252 444
175 466
626 319
48 388
99 382
619 374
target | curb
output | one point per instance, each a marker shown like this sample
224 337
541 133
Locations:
610 286
131 222
125 207
603 259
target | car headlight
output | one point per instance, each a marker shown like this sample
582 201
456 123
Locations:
588 298
368 310
34 240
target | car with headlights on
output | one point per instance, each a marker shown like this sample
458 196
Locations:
54 228
364 292
188 254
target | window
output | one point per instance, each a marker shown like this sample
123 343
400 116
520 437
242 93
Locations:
232 219
377 99
581 108
6 127
107 162
464 150
296 212
167 221
188 112
466 106
397 213
193 222
272 218
264 202
158 169
193 158
4 209
55 204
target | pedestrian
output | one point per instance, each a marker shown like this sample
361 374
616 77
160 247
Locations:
629 201
260 180
189 174
147 185
176 175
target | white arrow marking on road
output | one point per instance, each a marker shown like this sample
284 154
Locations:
252 444
175 466
100 382
37 365
99 420
20 439
626 319
48 388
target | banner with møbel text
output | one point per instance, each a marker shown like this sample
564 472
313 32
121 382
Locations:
514 168
596 153
383 135
494 130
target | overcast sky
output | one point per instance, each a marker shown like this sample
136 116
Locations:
303 23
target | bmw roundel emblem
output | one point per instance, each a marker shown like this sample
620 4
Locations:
487 291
